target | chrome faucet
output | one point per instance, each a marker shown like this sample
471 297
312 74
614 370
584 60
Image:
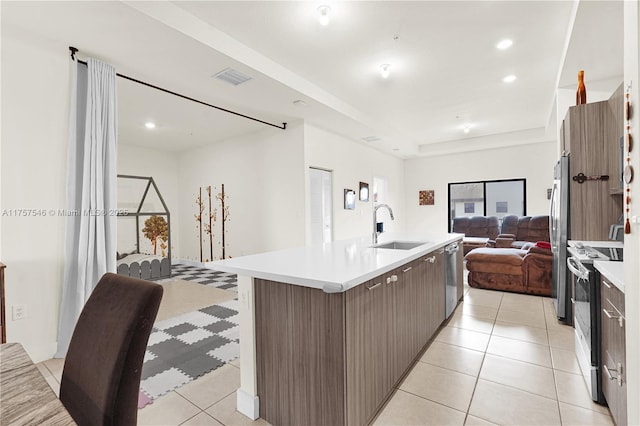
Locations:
375 227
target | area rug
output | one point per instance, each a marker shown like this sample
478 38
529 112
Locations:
185 347
204 276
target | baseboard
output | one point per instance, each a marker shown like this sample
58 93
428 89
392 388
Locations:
191 263
249 405
209 265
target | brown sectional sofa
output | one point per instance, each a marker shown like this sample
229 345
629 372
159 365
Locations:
512 261
525 270
517 231
477 226
477 230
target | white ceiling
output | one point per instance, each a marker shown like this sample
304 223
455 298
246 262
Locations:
446 71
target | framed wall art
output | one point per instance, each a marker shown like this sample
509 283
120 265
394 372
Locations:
426 198
364 191
349 199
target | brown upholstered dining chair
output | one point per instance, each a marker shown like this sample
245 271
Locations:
101 376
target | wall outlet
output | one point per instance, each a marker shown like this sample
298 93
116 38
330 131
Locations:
19 312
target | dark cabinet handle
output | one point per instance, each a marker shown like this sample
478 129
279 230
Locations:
582 178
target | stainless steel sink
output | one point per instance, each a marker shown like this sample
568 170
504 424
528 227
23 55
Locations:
400 245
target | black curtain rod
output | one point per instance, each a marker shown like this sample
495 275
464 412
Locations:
135 80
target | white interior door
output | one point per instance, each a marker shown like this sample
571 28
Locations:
321 205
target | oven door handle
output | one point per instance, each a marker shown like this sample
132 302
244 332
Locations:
577 269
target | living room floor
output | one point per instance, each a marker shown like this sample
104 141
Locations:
502 358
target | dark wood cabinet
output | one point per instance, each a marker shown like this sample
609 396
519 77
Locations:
591 134
403 310
613 351
388 322
367 332
614 132
565 135
333 359
435 279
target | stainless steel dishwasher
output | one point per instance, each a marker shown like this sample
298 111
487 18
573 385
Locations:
450 278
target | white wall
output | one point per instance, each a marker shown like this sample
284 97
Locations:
162 166
352 163
533 162
264 179
35 96
632 241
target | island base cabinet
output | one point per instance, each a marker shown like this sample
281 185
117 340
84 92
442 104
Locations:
406 310
368 361
435 280
299 354
333 359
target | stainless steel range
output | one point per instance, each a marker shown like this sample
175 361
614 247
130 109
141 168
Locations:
585 282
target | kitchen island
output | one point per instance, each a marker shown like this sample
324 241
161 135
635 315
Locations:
327 331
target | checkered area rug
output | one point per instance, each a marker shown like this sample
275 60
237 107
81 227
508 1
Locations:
218 279
185 347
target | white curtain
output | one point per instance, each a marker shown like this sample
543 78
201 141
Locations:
90 249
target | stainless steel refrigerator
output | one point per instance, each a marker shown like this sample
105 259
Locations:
560 230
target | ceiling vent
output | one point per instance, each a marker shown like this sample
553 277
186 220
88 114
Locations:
371 139
232 76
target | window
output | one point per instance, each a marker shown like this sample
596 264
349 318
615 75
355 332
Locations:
487 198
502 207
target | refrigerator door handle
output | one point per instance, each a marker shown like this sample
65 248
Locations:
553 206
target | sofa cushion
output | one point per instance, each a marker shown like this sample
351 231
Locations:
533 228
477 226
510 269
508 256
509 225
496 260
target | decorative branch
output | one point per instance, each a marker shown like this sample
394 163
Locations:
198 217
225 216
209 227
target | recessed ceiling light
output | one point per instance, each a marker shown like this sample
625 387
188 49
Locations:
466 128
384 70
324 15
299 103
509 79
504 44
150 125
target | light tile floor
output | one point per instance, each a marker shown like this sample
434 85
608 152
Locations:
502 359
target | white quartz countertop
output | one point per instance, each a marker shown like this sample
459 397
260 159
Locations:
334 267
614 271
607 244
